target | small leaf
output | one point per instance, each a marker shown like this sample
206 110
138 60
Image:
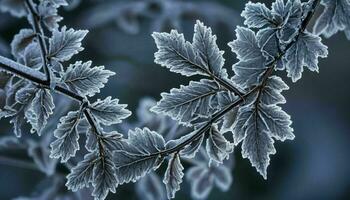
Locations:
205 43
218 148
173 176
304 52
32 56
257 15
188 102
66 144
133 160
48 14
65 43
251 67
178 55
40 109
85 80
201 182
82 174
21 41
109 111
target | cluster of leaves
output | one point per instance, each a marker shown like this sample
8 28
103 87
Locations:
31 100
245 106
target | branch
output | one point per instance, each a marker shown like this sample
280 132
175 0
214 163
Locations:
40 36
271 66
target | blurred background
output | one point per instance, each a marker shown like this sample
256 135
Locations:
316 165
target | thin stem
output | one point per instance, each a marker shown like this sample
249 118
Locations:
271 66
40 36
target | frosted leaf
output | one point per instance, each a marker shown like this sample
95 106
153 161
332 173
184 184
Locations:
66 43
150 187
304 52
32 56
178 55
173 176
18 121
48 14
205 43
335 17
21 41
133 160
85 80
186 103
271 93
58 3
109 111
256 126
82 174
257 15
16 8
246 45
66 144
278 122
218 148
26 94
251 67
104 178
40 109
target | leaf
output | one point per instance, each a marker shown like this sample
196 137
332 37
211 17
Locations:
21 41
66 144
109 111
138 155
104 178
26 94
32 56
178 55
173 176
65 43
205 43
150 187
269 42
85 80
251 67
256 126
218 148
271 93
16 8
82 174
304 52
48 14
188 102
257 15
40 109
335 17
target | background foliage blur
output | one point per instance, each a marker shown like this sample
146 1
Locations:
316 165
